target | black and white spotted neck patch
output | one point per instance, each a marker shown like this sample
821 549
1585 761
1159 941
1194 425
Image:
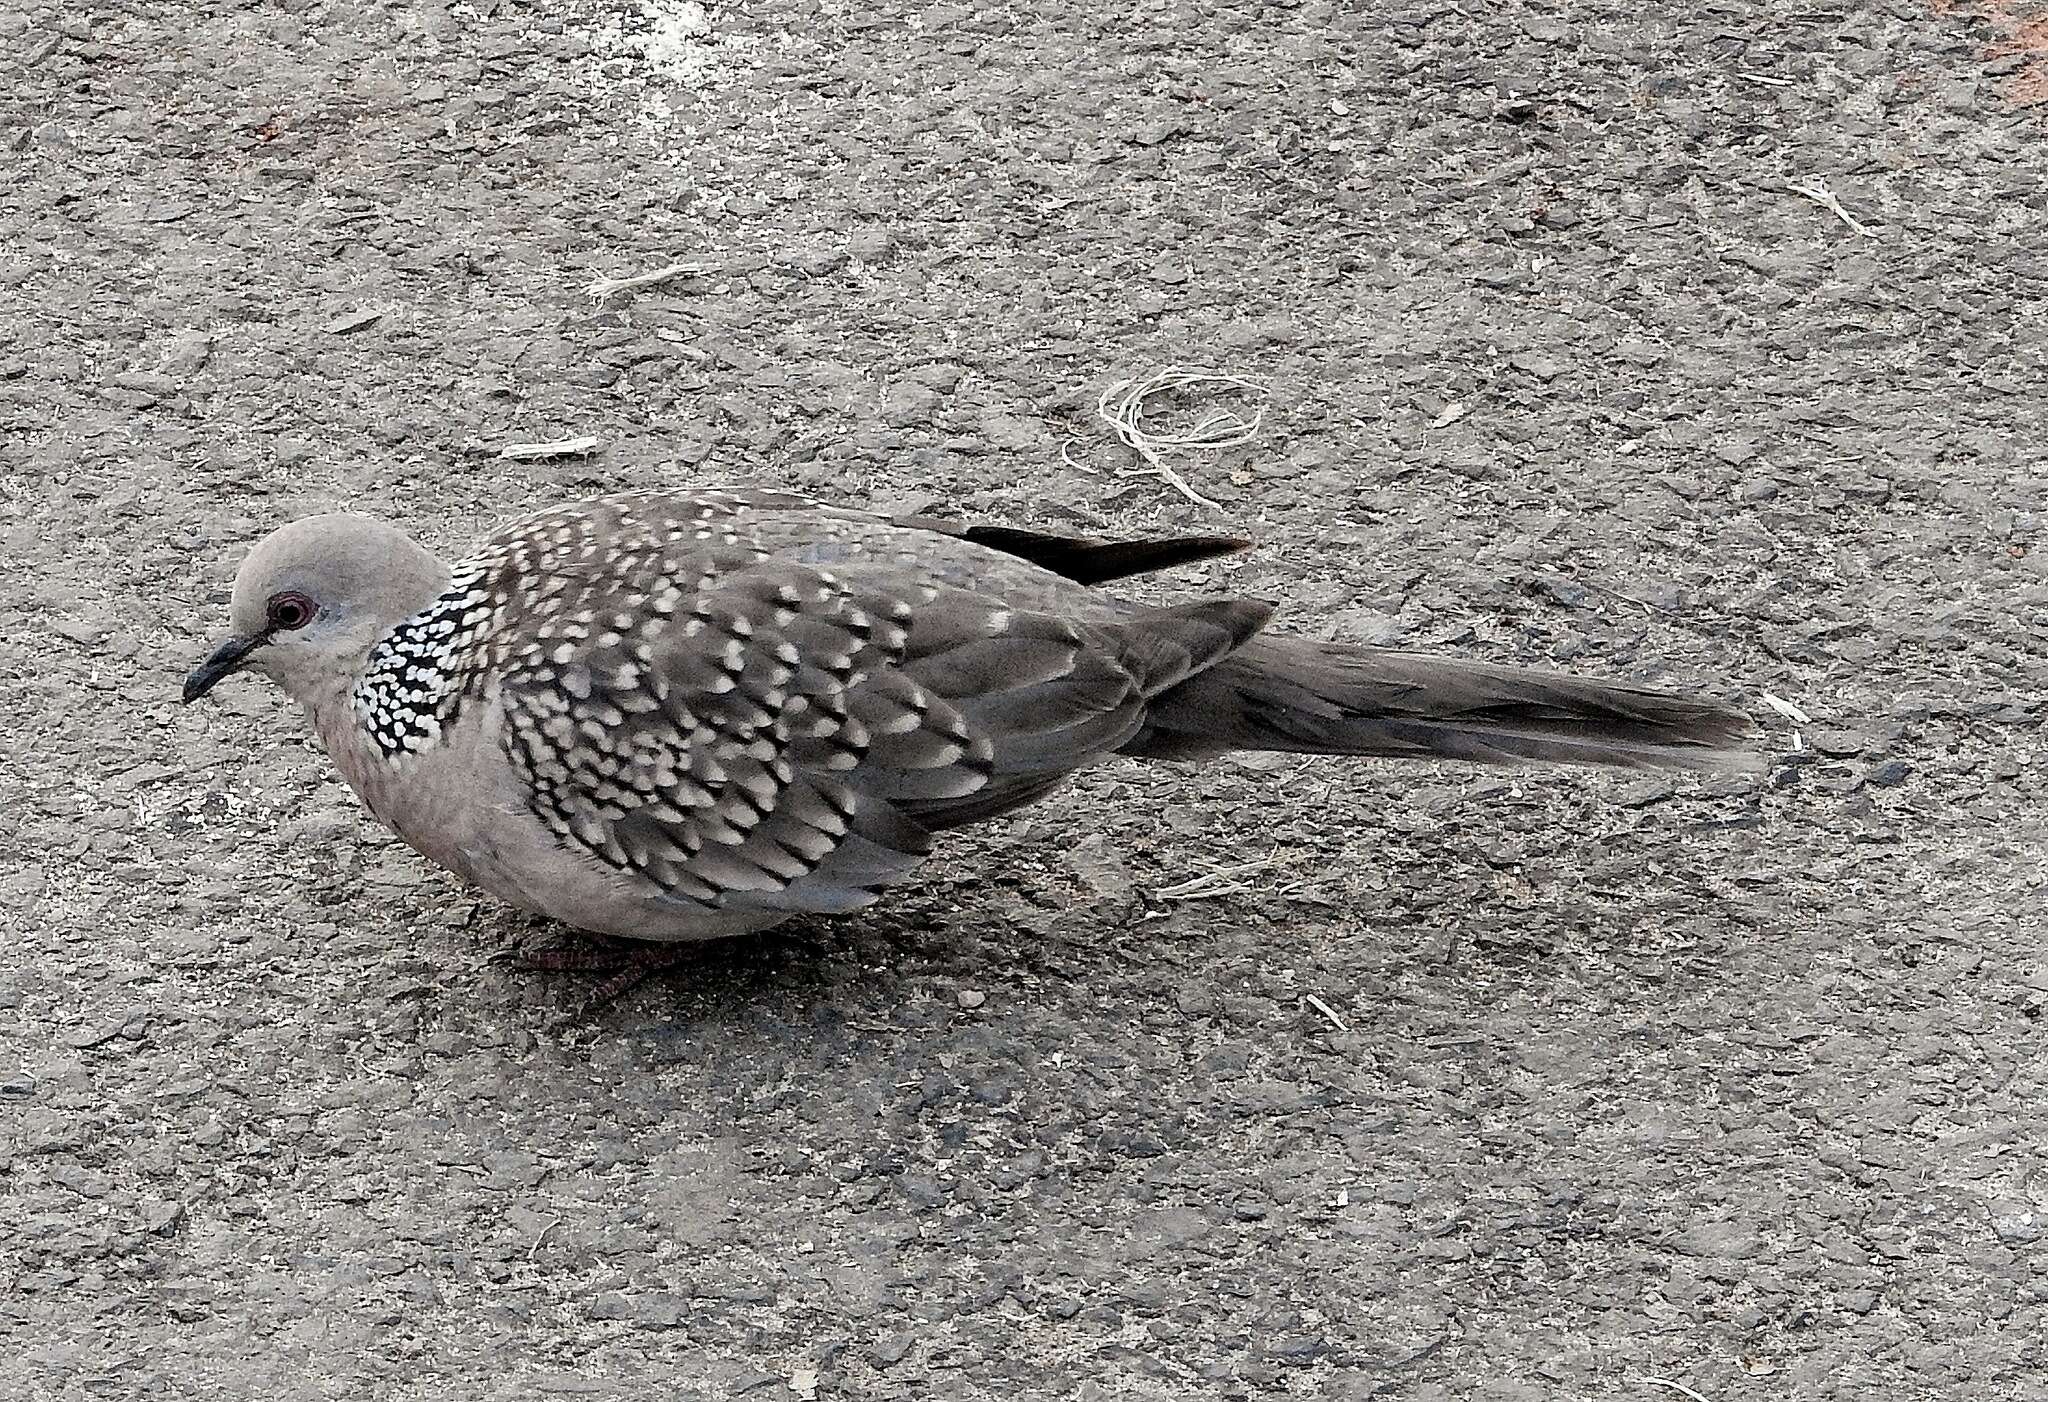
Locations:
412 682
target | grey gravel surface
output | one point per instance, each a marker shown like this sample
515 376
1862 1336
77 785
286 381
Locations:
1622 1082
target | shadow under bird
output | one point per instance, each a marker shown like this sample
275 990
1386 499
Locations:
679 715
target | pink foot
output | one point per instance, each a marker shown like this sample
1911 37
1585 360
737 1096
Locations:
629 963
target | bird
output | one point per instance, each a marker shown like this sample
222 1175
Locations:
670 716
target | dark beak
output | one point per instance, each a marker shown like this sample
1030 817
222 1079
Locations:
224 659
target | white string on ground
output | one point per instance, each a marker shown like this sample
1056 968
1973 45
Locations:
1122 407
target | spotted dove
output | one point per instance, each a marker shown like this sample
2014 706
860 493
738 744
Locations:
680 715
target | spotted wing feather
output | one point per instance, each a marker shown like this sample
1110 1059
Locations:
754 750
744 730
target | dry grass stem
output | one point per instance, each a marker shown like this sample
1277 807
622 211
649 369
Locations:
1787 709
560 448
538 1241
1220 882
606 287
1825 198
1122 407
1326 1010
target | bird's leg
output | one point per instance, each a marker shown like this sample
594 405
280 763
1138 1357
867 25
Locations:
578 954
628 964
642 965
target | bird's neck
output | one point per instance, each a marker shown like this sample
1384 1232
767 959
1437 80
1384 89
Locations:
338 721
330 705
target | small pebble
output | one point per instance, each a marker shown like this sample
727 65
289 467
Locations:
971 998
890 1348
1841 744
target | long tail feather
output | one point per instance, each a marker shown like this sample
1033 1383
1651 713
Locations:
1296 695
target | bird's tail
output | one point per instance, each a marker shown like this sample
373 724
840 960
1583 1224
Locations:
1297 695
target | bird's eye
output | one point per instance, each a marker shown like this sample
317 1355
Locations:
289 611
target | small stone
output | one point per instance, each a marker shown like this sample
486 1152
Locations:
660 1310
1837 744
77 632
813 260
1297 1349
2016 1223
1011 431
871 245
906 405
920 1190
1643 793
970 998
1717 1239
352 321
1100 867
188 353
891 1348
1736 451
1158 133
1889 774
94 1034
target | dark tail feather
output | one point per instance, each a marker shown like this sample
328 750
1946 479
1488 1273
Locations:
1292 694
1084 558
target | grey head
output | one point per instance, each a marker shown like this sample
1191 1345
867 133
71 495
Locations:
314 597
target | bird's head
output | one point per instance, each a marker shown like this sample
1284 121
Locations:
314 597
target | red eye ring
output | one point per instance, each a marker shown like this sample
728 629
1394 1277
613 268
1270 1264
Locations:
290 610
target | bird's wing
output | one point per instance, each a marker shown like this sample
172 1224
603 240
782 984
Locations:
746 730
